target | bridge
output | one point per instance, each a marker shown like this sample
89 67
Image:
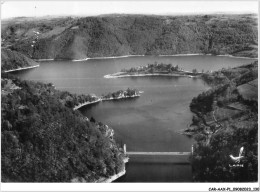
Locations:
157 153
155 157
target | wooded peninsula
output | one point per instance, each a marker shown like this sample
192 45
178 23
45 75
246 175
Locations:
154 70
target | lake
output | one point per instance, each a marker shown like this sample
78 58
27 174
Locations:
149 123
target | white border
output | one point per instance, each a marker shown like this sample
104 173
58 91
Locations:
129 186
122 186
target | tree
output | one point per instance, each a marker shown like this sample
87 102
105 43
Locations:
92 120
45 141
194 71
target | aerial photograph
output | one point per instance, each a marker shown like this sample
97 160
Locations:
129 92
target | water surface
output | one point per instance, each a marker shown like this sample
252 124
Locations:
148 123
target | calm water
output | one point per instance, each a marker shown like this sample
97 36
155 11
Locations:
148 123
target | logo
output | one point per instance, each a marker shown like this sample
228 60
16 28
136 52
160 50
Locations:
237 159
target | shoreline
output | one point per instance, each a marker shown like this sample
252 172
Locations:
109 99
104 179
86 103
100 99
111 57
236 57
111 76
43 59
208 54
22 68
125 56
114 177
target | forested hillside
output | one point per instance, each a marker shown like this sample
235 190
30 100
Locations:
116 35
11 60
43 140
226 120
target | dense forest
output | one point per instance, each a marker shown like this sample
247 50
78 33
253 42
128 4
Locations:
158 68
225 119
121 94
44 140
116 35
153 68
13 60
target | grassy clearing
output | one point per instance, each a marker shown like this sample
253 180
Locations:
249 90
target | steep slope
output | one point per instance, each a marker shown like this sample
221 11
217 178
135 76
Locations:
12 60
116 35
226 120
43 140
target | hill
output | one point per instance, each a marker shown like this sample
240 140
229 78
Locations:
225 120
43 140
117 35
12 60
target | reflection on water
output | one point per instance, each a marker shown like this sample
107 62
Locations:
157 172
157 168
150 122
147 123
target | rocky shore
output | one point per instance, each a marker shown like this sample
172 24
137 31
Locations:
23 68
104 99
113 177
86 103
